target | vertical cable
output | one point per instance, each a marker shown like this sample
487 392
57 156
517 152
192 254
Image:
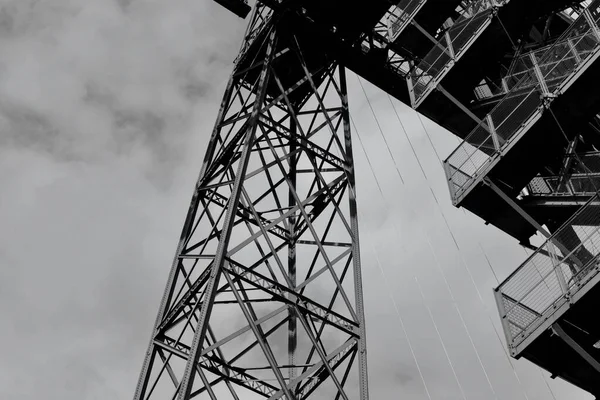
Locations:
459 251
427 238
547 384
381 270
441 339
380 129
429 137
455 243
402 325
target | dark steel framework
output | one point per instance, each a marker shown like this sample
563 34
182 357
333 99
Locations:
264 295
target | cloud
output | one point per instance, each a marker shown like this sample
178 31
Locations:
101 103
105 109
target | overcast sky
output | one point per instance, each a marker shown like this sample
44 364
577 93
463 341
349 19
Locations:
105 110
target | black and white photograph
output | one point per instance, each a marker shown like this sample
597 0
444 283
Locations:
299 199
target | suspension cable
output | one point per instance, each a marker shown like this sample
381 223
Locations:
380 267
380 129
463 260
436 259
458 248
462 392
407 137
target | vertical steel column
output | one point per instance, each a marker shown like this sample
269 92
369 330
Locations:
292 324
538 74
362 355
185 388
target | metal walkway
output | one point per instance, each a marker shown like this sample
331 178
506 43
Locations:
551 72
553 292
448 50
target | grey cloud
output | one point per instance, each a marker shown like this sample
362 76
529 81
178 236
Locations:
105 109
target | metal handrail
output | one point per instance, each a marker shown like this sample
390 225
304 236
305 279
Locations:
565 273
549 75
450 46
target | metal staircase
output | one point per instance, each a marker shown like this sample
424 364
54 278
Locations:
547 302
450 47
548 73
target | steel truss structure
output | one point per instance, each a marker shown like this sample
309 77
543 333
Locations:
264 298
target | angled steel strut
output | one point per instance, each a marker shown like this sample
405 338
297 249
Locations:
264 297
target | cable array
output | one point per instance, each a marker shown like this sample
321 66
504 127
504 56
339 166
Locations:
459 250
380 267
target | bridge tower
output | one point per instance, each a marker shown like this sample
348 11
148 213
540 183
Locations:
264 297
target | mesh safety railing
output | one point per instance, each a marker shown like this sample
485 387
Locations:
574 185
401 15
581 179
387 30
552 275
450 46
525 65
548 74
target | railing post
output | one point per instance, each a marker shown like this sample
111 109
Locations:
557 269
411 88
449 43
503 317
574 50
504 85
538 73
592 23
492 129
449 178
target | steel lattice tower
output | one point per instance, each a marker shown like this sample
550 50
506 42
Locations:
264 298
264 295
